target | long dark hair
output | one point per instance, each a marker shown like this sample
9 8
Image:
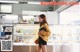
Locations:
44 19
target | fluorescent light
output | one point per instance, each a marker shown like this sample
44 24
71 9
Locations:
18 2
33 2
9 1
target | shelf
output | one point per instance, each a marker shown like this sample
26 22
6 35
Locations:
28 44
24 35
20 23
23 44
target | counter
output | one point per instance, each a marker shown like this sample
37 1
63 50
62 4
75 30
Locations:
56 47
23 47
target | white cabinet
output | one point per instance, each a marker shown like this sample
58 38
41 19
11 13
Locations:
30 48
75 47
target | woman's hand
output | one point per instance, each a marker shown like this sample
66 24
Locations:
40 32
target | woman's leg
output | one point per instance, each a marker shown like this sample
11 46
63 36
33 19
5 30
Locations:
44 49
36 48
39 48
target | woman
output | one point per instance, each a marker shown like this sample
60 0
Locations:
43 34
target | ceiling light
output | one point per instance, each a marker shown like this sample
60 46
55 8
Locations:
9 2
33 2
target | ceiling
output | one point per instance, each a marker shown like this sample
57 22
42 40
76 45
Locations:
33 7
27 0
75 10
30 7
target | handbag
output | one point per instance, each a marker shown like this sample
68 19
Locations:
36 41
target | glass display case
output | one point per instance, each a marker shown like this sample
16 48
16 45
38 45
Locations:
66 33
25 33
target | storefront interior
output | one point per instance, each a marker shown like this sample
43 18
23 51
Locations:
20 20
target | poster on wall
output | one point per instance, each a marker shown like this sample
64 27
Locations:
6 9
6 45
6 38
6 33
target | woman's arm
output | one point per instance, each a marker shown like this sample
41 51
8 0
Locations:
45 33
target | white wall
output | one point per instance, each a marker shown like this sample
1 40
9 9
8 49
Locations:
52 17
70 15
